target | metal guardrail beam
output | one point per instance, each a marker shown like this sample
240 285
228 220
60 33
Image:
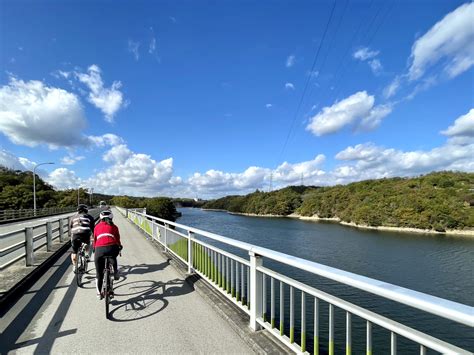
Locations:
212 264
13 215
28 244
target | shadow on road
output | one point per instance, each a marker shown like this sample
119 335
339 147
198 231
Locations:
9 339
145 298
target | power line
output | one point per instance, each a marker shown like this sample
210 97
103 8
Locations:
307 82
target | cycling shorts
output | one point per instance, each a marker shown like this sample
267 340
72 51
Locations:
78 239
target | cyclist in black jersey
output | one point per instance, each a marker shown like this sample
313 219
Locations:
81 227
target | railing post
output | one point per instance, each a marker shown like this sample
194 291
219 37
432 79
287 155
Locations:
61 231
126 213
166 238
190 252
30 256
255 290
49 237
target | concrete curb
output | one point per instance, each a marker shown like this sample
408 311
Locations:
262 342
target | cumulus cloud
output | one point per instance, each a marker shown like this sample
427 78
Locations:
32 113
358 108
289 86
290 61
291 174
462 127
449 42
369 161
108 100
117 154
63 178
11 161
133 47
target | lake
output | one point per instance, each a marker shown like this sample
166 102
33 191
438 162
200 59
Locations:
435 264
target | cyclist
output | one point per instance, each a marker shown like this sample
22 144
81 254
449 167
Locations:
106 243
81 226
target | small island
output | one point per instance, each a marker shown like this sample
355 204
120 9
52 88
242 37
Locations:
439 202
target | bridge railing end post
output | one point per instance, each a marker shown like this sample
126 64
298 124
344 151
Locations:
30 256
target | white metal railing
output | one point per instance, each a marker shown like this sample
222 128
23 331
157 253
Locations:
26 241
246 282
12 215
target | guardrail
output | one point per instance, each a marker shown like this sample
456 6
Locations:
48 232
13 215
245 283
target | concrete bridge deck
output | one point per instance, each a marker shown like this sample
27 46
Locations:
155 311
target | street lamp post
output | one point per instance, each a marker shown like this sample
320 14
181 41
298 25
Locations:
34 184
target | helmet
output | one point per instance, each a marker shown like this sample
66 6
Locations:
106 214
82 208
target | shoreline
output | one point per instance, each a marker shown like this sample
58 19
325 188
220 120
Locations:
451 232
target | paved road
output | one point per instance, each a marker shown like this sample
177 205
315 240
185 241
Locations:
155 311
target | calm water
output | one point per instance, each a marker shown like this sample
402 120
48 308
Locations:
438 265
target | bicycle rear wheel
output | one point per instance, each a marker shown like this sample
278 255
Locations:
107 290
79 269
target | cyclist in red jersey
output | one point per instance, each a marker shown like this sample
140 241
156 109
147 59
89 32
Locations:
106 243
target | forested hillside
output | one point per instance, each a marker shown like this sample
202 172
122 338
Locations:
16 192
438 201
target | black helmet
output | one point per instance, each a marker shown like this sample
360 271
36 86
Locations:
82 208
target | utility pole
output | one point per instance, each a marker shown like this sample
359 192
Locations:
91 189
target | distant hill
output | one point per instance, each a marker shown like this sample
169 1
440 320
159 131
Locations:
436 201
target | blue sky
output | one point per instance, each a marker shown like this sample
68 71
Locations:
197 98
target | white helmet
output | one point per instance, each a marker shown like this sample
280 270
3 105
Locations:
106 214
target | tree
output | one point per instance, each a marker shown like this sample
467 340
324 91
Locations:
161 207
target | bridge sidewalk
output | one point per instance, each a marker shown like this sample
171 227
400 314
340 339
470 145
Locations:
155 311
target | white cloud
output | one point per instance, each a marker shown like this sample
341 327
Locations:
108 100
11 161
290 61
364 54
268 105
63 178
358 107
117 154
450 41
375 66
71 159
152 47
133 47
32 113
291 174
369 161
107 139
392 88
462 127
289 86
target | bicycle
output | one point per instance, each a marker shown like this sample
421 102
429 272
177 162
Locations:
108 283
80 268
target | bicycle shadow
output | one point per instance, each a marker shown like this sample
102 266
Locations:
146 298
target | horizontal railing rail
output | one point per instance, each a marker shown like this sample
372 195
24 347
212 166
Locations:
13 215
53 230
245 283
